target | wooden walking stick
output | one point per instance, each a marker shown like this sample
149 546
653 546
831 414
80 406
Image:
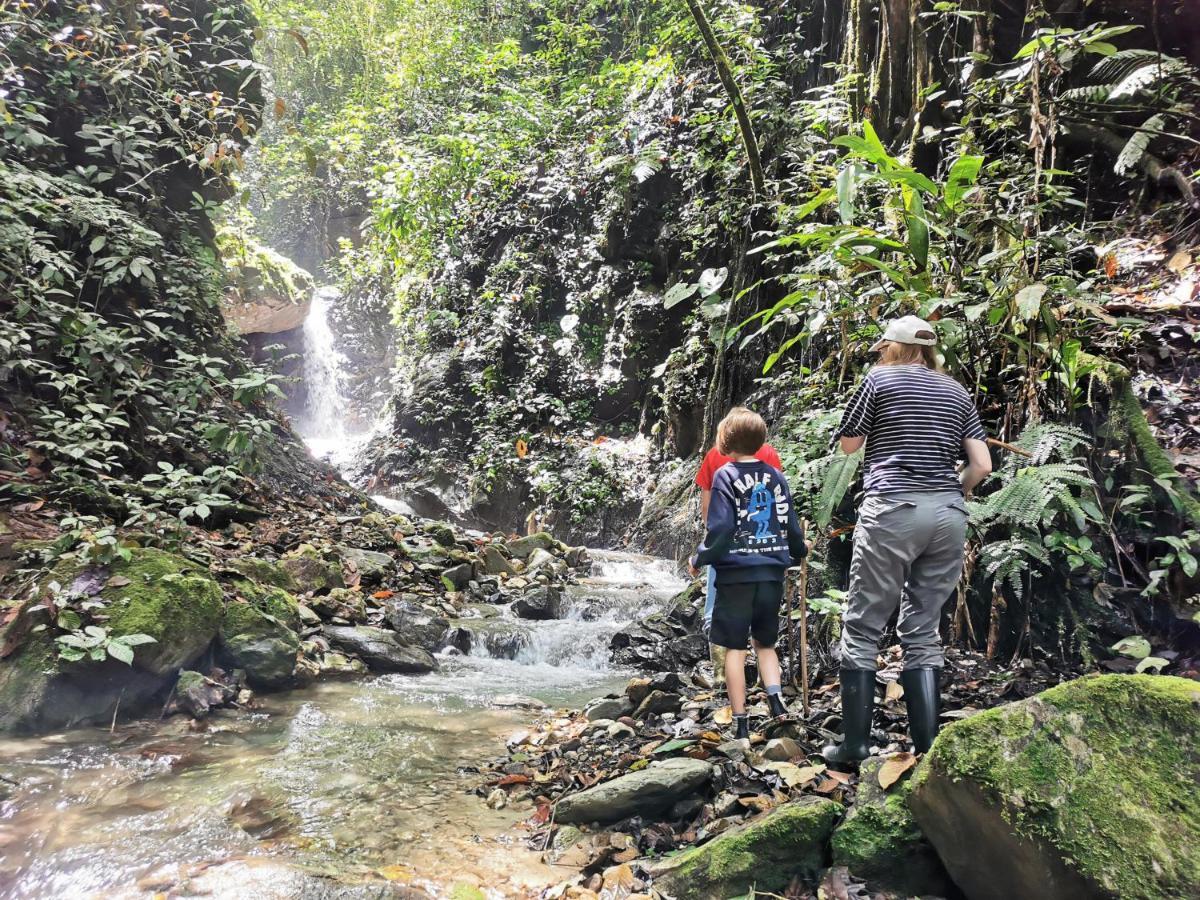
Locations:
803 634
789 588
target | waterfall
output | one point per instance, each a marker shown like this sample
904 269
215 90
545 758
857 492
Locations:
323 424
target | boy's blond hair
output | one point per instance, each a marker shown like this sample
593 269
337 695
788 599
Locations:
741 433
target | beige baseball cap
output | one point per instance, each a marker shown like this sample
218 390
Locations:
905 330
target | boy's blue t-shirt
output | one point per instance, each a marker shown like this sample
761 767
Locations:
753 533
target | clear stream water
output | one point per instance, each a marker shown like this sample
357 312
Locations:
341 778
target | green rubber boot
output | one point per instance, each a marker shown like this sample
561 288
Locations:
858 705
922 702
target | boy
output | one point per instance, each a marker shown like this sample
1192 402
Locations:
752 537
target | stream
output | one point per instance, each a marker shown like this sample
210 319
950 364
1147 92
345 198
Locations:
345 779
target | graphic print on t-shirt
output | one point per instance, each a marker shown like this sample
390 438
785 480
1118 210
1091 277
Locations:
762 513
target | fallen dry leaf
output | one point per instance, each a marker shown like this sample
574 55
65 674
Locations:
895 766
724 715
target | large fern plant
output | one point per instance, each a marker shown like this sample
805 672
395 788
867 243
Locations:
1042 491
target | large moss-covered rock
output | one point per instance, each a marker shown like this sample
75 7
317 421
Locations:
263 571
311 571
766 854
258 634
1085 791
170 598
879 840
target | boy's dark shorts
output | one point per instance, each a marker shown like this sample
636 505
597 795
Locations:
745 610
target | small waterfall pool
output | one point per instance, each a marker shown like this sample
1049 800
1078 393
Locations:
359 780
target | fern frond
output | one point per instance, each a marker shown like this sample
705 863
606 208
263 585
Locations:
1094 93
1114 67
827 478
1146 76
1135 148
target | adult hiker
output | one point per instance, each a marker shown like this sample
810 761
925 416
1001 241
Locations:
917 423
714 460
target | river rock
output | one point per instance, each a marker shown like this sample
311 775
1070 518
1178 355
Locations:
460 639
258 634
312 572
341 603
608 708
1087 790
379 649
879 840
441 533
577 557
647 793
169 598
783 749
541 602
416 625
765 854
372 565
458 577
522 548
539 559
197 696
657 703
263 571
494 562
669 640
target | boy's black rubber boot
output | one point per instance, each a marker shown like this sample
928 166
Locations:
775 702
858 705
743 728
922 702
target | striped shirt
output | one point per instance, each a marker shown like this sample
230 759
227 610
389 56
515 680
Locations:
915 421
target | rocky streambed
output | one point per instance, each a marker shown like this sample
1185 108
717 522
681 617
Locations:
311 715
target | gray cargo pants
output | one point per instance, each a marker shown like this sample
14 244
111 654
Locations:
908 551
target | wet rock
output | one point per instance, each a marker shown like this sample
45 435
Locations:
258 634
310 571
380 649
458 577
416 625
263 571
372 566
196 695
539 559
269 660
539 603
516 701
782 750
442 533
577 557
657 703
647 793
880 841
764 854
608 708
619 731
493 562
460 639
522 548
335 664
1085 790
342 603
670 640
308 618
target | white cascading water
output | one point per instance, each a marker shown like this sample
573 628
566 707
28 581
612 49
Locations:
323 426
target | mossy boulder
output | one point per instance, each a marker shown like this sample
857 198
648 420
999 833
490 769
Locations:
1087 790
258 634
263 571
170 598
311 571
766 854
521 548
879 840
441 533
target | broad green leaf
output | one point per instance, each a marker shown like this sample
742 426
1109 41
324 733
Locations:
878 153
678 293
134 640
1157 663
1134 646
847 187
1029 300
711 281
961 178
918 230
123 652
784 348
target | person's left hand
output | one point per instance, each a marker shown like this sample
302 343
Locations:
692 570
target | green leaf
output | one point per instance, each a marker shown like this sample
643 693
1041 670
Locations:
847 187
68 620
1157 663
135 640
1029 300
1135 647
711 281
960 179
97 243
918 230
121 651
678 293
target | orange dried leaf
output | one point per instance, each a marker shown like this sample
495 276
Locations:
895 766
